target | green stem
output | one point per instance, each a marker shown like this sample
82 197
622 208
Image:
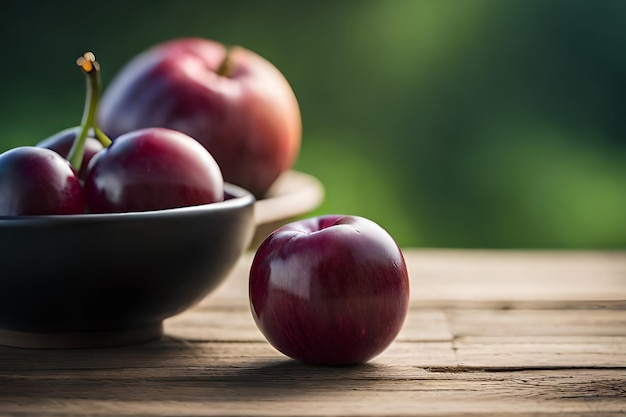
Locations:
91 68
101 136
226 67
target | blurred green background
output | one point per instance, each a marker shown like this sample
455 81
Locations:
452 123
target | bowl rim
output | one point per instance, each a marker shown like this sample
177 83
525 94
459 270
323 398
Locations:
235 197
294 193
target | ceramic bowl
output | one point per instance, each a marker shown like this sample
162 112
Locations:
110 279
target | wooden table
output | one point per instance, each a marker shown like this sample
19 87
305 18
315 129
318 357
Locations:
514 333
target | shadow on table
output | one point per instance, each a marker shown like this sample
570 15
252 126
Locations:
171 370
286 376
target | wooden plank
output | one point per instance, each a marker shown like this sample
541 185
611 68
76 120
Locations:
251 379
537 322
488 333
491 353
175 353
539 338
500 278
491 275
431 400
237 325
342 403
155 359
523 326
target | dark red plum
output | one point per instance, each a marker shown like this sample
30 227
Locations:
38 181
331 290
234 102
152 169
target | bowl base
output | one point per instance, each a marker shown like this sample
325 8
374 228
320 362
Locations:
32 340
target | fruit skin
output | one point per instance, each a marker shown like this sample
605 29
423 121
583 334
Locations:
38 181
152 169
61 142
248 119
331 290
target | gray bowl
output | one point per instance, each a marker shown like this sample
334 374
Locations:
109 279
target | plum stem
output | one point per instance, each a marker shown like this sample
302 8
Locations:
226 67
101 136
88 64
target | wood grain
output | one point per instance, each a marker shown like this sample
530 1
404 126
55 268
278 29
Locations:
489 333
500 279
251 379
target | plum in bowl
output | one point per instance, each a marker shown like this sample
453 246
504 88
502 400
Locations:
93 280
